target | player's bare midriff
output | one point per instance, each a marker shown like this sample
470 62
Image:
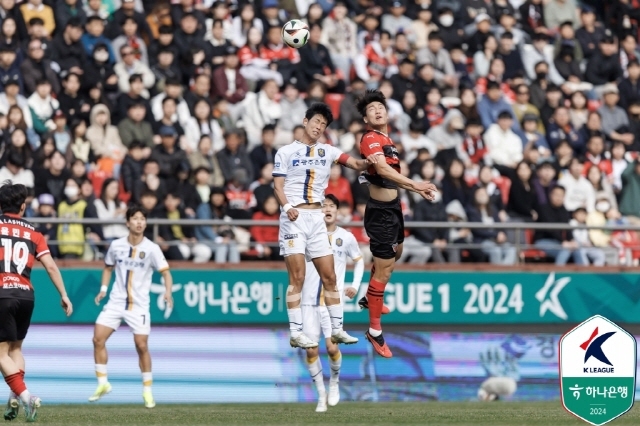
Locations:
309 206
382 194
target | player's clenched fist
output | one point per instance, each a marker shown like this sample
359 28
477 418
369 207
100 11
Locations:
292 214
99 297
66 305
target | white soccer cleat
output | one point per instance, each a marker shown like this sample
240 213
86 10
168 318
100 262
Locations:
302 341
147 397
343 337
322 403
334 394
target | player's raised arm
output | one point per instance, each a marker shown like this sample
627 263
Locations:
426 189
56 278
356 164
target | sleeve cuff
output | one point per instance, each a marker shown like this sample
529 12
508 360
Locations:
278 175
39 255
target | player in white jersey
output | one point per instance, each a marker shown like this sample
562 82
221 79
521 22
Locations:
134 258
301 174
315 317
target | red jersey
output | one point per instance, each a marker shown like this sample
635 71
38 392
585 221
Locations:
279 52
21 246
374 142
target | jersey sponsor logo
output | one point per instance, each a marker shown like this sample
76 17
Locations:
304 162
339 242
323 162
296 163
374 145
290 236
321 152
142 255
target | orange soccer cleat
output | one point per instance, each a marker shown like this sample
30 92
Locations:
379 345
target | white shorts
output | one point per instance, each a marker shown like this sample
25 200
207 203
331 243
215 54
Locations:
137 319
307 235
316 321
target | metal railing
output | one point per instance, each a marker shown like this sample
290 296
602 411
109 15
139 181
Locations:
517 227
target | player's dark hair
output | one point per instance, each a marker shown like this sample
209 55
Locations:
12 197
369 97
333 199
322 109
131 211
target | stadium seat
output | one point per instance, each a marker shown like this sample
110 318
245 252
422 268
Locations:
334 100
124 195
504 183
531 253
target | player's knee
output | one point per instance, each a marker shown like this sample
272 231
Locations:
333 349
296 279
312 353
142 347
329 280
98 342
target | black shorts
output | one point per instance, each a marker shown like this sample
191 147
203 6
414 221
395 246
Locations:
384 224
15 318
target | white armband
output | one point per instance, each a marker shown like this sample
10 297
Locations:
104 289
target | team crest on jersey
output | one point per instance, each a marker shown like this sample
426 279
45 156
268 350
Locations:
339 242
291 243
142 255
321 152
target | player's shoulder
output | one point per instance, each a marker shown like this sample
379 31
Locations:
149 245
344 233
373 136
119 243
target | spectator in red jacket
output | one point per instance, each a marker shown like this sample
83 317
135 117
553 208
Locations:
266 237
227 82
339 185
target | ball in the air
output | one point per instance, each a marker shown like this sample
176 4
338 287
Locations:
295 33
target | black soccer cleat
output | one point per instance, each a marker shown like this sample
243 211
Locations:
364 304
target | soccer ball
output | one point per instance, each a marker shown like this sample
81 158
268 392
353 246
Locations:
295 33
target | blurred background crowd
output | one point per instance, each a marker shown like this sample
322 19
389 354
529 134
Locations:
518 111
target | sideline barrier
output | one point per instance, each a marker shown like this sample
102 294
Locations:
256 296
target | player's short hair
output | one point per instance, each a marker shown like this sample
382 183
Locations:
131 211
333 199
369 97
322 109
12 197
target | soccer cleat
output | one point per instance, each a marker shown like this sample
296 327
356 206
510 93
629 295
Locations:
343 337
334 394
101 391
302 341
13 408
149 402
31 409
379 345
322 403
364 304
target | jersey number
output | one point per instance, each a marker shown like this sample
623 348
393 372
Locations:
17 253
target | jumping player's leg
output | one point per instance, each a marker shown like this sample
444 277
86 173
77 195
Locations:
325 267
296 267
101 334
144 357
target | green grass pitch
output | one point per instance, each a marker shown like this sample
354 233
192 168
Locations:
348 413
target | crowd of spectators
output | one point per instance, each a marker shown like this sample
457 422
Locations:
519 111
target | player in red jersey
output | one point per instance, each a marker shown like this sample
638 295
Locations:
21 245
383 219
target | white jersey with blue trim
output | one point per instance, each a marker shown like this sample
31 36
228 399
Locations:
306 170
134 267
345 247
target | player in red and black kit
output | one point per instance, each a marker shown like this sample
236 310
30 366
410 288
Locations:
383 220
20 246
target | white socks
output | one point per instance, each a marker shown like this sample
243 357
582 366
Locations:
25 397
101 373
374 332
335 362
295 321
147 380
336 314
315 369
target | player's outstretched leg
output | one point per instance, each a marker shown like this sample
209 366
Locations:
100 335
364 303
315 370
141 341
335 362
296 266
375 297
